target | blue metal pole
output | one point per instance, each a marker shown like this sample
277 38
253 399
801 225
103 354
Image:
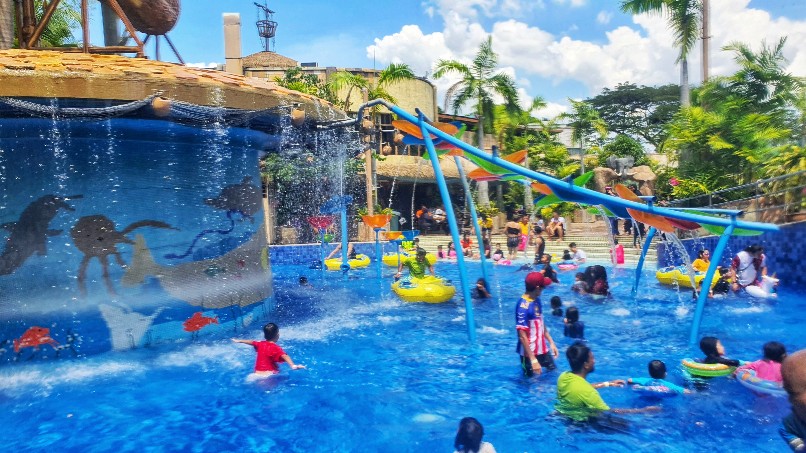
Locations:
378 252
474 218
345 265
706 284
446 200
638 269
322 251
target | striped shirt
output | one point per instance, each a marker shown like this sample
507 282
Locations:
529 317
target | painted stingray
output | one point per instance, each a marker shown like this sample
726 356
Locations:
243 198
96 237
30 233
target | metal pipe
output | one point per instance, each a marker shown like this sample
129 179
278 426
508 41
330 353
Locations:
706 284
446 200
639 268
474 218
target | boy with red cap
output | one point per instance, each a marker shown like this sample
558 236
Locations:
535 345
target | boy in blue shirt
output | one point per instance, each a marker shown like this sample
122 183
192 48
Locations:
657 371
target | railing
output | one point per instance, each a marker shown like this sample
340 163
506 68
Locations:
775 200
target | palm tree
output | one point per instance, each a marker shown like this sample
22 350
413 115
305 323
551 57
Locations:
685 18
6 24
480 82
585 122
374 89
511 134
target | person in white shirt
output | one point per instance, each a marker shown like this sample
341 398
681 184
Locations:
577 253
556 226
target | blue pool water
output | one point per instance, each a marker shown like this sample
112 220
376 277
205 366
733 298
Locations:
385 375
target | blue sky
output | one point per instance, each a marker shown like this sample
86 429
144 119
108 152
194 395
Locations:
555 49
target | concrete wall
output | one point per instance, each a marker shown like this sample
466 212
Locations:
785 251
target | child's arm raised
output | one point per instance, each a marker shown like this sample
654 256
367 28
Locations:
290 362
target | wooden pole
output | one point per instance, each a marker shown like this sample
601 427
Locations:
706 37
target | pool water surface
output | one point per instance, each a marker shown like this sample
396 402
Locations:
386 375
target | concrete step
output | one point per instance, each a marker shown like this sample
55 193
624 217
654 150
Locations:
595 244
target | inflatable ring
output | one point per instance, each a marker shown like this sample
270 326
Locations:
390 259
429 289
567 266
656 391
706 369
334 264
749 379
678 275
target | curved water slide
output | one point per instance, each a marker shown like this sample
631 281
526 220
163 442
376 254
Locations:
437 137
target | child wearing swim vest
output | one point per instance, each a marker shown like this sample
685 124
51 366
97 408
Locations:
768 368
269 354
657 373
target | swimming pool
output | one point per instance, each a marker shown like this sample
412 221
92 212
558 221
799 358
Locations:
385 375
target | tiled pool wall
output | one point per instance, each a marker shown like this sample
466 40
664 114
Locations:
306 253
785 251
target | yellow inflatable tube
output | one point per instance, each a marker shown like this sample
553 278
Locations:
677 275
390 259
429 289
360 261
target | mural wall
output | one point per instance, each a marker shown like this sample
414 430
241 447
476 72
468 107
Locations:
119 233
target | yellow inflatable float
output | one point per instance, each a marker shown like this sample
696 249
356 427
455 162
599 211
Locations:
429 289
678 275
334 264
390 259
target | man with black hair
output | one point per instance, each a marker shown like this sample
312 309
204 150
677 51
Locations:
576 397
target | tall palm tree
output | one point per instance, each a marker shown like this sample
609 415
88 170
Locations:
6 24
585 122
512 135
374 89
480 82
685 19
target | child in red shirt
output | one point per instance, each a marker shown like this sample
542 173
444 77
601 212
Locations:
269 354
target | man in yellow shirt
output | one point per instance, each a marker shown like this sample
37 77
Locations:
576 397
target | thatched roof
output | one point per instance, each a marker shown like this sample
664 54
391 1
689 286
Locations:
268 60
414 168
49 74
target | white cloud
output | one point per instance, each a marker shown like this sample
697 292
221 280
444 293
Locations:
642 53
572 3
604 17
551 110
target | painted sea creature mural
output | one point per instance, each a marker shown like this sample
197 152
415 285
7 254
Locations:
34 337
126 327
97 237
235 278
243 198
197 322
30 233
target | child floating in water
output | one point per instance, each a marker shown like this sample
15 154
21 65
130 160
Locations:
556 306
574 328
657 371
480 290
303 282
768 368
715 352
269 354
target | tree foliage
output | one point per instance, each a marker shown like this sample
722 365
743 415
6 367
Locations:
639 112
480 82
295 79
623 146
